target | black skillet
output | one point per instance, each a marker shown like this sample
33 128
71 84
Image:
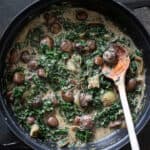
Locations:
120 15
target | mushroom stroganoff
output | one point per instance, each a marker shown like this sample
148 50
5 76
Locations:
54 80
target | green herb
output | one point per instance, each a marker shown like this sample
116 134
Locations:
18 91
124 40
84 135
34 36
57 72
39 84
105 83
58 134
131 96
138 52
47 105
108 114
69 110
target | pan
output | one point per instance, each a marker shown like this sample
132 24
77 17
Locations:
123 18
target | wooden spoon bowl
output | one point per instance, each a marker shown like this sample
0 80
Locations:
120 68
117 74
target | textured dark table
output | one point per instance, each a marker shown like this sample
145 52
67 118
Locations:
9 8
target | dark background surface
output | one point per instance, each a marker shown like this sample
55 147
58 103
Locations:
9 8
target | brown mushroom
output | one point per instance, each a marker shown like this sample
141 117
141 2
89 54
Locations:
115 124
131 84
30 120
47 41
52 121
66 46
18 78
25 56
110 56
91 44
55 28
98 60
81 15
41 73
85 99
50 18
76 120
32 65
13 57
67 96
86 122
37 103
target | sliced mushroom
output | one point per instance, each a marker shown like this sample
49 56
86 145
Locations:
76 94
34 132
74 63
115 124
93 82
19 78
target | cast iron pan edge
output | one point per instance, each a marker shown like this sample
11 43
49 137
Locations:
11 124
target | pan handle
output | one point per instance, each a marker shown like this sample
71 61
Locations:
134 4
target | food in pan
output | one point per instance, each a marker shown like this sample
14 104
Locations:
54 80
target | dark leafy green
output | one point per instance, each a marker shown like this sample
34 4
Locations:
84 135
69 110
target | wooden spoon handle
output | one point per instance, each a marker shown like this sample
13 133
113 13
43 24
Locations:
128 118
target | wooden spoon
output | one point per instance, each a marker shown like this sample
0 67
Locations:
117 74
